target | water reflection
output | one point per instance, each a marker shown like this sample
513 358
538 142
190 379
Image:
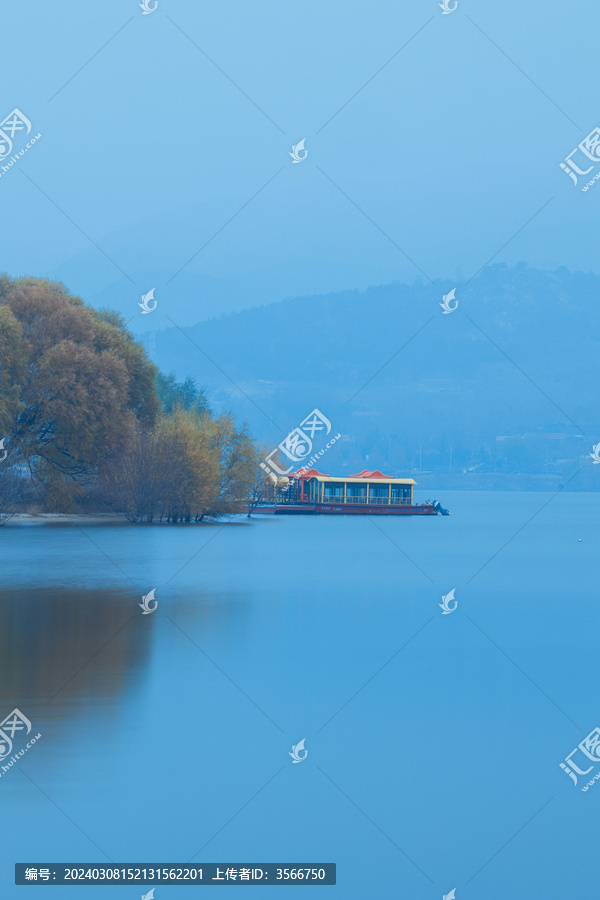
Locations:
68 648
63 650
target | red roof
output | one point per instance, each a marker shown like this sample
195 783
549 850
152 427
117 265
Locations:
308 473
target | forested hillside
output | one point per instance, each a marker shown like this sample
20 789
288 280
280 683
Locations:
503 385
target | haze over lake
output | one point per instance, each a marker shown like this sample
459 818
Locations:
247 240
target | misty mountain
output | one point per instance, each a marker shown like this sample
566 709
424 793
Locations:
504 384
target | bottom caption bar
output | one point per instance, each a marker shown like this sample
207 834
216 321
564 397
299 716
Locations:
175 873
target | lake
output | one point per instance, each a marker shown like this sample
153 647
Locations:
434 741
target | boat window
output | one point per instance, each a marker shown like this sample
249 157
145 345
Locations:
356 490
378 490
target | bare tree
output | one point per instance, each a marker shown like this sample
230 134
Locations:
15 488
151 478
262 488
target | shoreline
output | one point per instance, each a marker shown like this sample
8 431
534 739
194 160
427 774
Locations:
87 519
100 518
65 518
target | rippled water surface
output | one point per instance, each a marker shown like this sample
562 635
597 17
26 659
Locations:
434 741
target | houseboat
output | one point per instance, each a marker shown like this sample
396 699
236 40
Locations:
308 491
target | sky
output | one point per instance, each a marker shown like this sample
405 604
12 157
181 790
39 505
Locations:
433 146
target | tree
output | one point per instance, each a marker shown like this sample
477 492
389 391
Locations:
113 336
74 382
81 402
12 368
187 467
139 477
14 487
189 437
238 461
175 394
262 488
169 472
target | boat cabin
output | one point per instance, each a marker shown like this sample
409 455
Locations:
368 488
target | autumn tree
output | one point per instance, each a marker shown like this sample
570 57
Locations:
139 477
12 368
187 467
238 462
170 472
81 402
73 381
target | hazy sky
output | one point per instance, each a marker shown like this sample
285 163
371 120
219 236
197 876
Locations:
432 141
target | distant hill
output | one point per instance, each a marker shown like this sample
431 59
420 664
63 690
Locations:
506 384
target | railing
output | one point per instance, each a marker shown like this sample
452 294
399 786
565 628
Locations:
376 501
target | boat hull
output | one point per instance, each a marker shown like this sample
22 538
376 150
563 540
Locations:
345 509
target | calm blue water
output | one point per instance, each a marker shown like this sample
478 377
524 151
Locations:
433 760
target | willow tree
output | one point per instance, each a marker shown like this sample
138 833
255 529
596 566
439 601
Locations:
169 472
73 381
79 400
187 467
239 461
